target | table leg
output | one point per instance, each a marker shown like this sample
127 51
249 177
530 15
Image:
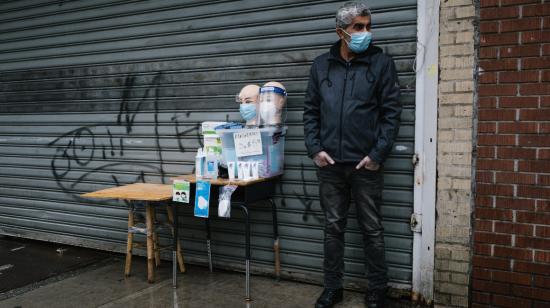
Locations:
247 235
208 247
156 242
171 212
174 243
149 224
276 248
130 241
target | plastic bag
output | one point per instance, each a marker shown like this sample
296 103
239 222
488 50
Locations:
224 204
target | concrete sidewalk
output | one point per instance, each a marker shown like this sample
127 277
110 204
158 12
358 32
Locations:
105 286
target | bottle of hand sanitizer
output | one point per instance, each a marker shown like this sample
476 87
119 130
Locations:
199 164
211 171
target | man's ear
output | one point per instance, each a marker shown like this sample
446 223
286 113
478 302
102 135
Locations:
340 33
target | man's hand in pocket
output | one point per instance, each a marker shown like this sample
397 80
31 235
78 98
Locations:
368 164
322 159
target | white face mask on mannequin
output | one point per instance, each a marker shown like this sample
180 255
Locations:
272 101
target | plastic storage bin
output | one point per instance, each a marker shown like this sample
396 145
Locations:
271 161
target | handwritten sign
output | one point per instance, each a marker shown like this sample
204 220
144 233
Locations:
248 142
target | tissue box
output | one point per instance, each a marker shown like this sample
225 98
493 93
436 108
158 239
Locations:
212 141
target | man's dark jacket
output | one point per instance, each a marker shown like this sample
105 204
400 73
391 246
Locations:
351 108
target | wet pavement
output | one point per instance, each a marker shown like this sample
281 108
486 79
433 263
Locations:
102 284
24 262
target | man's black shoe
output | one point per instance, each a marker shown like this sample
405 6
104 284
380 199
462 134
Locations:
375 298
329 298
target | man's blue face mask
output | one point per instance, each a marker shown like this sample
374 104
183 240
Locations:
248 111
359 41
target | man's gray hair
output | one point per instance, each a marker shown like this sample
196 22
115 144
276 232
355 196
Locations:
347 12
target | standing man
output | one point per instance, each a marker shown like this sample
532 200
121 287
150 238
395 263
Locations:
351 119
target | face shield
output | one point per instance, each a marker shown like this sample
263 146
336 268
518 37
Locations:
272 102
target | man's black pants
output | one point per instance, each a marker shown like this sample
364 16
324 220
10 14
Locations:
338 183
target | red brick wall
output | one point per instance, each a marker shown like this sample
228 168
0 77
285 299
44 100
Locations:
511 262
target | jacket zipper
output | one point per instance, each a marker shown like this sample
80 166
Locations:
352 79
348 64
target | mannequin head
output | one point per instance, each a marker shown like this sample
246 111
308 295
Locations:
272 102
248 98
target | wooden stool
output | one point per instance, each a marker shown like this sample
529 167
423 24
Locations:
153 243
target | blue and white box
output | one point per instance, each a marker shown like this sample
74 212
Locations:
202 199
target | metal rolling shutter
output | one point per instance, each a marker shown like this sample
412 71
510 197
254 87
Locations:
96 93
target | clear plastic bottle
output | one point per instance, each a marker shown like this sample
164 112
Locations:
211 165
199 163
